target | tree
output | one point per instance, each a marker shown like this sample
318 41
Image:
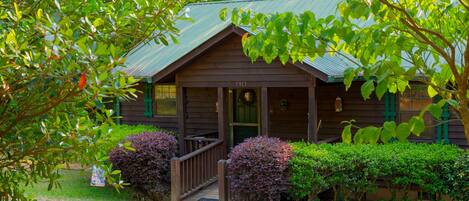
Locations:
390 42
58 64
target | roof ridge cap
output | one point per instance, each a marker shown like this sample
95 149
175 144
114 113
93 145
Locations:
223 2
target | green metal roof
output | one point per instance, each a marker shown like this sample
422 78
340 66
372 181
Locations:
147 60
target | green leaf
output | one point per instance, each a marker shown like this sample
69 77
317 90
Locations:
39 14
367 88
174 39
402 85
381 89
371 134
349 75
453 103
358 137
98 22
11 38
431 92
417 125
103 76
435 110
19 14
403 131
347 134
222 14
388 132
115 172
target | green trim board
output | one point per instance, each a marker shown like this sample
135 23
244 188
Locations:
117 110
389 106
442 129
148 99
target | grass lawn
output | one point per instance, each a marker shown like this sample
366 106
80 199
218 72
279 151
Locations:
75 187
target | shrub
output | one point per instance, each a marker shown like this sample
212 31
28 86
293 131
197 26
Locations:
352 170
456 177
116 134
147 167
259 169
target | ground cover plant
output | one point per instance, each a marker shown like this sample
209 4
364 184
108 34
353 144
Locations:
146 167
353 170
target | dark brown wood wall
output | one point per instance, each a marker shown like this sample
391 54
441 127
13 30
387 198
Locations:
456 131
292 123
370 112
225 65
201 115
132 113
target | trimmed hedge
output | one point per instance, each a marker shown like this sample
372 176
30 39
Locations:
351 170
259 169
147 167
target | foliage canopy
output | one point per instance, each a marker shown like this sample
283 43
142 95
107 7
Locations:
57 69
390 43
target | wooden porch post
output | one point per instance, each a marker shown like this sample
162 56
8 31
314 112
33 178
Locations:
180 99
264 111
175 179
223 188
312 113
222 117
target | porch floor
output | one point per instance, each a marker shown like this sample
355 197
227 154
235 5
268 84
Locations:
209 192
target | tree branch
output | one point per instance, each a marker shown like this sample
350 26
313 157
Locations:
410 22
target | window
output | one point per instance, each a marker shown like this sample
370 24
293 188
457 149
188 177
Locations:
165 96
411 103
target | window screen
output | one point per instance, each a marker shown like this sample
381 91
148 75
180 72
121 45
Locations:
165 96
411 103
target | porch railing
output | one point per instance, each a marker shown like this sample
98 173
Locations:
196 142
195 170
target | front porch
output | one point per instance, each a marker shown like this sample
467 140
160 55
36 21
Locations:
282 112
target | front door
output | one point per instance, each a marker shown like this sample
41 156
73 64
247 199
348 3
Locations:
244 118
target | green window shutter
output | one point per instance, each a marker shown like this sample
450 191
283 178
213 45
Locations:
442 129
445 117
389 107
117 110
148 99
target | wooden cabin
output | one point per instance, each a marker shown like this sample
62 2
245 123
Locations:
206 85
214 96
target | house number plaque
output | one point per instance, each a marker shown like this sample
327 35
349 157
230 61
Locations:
241 84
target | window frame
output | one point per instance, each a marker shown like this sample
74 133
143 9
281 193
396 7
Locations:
424 136
155 100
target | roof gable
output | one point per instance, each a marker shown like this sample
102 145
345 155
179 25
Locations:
146 61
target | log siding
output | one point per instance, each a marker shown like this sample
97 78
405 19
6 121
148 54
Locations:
132 112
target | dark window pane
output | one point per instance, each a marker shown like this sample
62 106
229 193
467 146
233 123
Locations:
411 103
165 96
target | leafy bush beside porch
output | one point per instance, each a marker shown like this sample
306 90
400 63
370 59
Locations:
147 165
353 170
407 171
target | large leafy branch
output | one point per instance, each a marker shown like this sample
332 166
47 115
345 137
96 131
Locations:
388 43
58 73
